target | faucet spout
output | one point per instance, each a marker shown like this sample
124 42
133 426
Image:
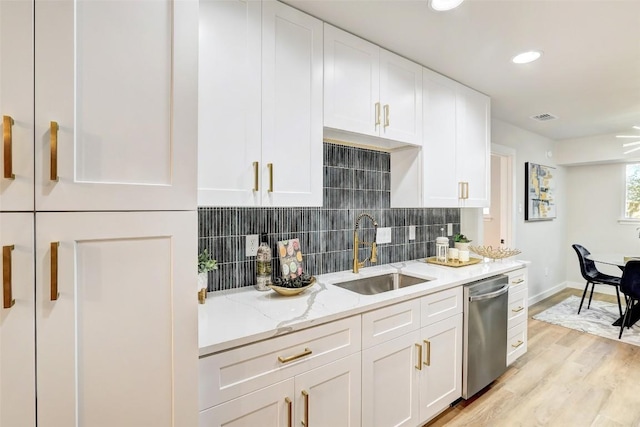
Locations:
357 264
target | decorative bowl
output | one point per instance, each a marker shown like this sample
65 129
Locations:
497 253
287 292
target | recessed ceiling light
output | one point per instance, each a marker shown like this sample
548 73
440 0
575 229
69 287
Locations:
526 57
442 5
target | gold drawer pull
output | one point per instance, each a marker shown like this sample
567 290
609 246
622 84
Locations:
377 113
419 359
518 344
306 352
53 146
428 361
305 393
255 176
6 276
516 282
7 142
54 271
289 411
518 310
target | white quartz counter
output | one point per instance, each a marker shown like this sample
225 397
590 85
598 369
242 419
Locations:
240 316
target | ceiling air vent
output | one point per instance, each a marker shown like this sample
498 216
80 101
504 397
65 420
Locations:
544 117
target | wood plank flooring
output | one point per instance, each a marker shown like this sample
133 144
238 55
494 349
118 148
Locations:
567 378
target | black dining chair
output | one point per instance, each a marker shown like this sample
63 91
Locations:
630 287
594 277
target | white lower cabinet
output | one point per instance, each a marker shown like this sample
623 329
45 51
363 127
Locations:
518 313
408 380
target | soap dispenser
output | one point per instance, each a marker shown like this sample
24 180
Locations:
263 264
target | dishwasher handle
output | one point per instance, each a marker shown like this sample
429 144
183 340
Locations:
490 295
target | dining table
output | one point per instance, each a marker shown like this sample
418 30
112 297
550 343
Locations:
619 260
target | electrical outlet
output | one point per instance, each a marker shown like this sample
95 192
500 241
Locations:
449 229
253 241
384 235
412 232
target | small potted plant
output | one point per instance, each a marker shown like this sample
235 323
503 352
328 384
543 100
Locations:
461 242
205 265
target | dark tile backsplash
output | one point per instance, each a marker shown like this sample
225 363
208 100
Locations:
356 180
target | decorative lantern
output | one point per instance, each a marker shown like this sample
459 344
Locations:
442 247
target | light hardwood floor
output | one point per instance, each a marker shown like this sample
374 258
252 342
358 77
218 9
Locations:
567 378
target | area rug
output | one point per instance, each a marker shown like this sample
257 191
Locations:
596 320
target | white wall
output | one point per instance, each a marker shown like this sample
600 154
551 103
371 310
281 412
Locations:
595 197
544 243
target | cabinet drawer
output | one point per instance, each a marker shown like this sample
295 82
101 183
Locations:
230 374
517 306
440 305
516 342
390 322
518 278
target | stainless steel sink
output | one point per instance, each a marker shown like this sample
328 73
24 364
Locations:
378 284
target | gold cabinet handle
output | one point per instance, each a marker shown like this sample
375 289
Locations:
255 176
518 344
7 144
463 190
428 361
466 190
54 271
386 115
270 167
419 358
289 411
6 276
53 146
305 394
516 282
517 310
288 359
377 104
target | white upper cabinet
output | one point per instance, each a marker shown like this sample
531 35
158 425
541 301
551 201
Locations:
16 105
453 167
369 91
260 105
115 105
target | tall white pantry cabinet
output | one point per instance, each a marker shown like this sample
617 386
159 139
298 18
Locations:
98 222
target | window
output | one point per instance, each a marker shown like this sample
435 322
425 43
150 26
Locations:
632 192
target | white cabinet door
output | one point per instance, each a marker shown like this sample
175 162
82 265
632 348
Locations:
268 407
401 98
291 167
441 381
351 83
17 325
116 317
229 104
330 395
16 105
390 379
439 142
115 105
474 146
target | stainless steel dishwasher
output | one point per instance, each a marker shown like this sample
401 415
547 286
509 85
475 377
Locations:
485 333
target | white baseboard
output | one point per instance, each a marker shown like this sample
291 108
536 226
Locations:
601 289
546 294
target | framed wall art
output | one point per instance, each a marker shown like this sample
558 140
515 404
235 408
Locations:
539 192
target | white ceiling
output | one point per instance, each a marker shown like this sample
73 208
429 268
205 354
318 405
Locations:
588 76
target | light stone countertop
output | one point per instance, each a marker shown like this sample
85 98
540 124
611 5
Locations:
237 317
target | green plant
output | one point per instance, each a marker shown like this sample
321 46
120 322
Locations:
461 238
206 263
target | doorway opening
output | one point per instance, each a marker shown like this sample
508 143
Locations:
499 218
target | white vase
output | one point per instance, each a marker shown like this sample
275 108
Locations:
462 246
203 280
